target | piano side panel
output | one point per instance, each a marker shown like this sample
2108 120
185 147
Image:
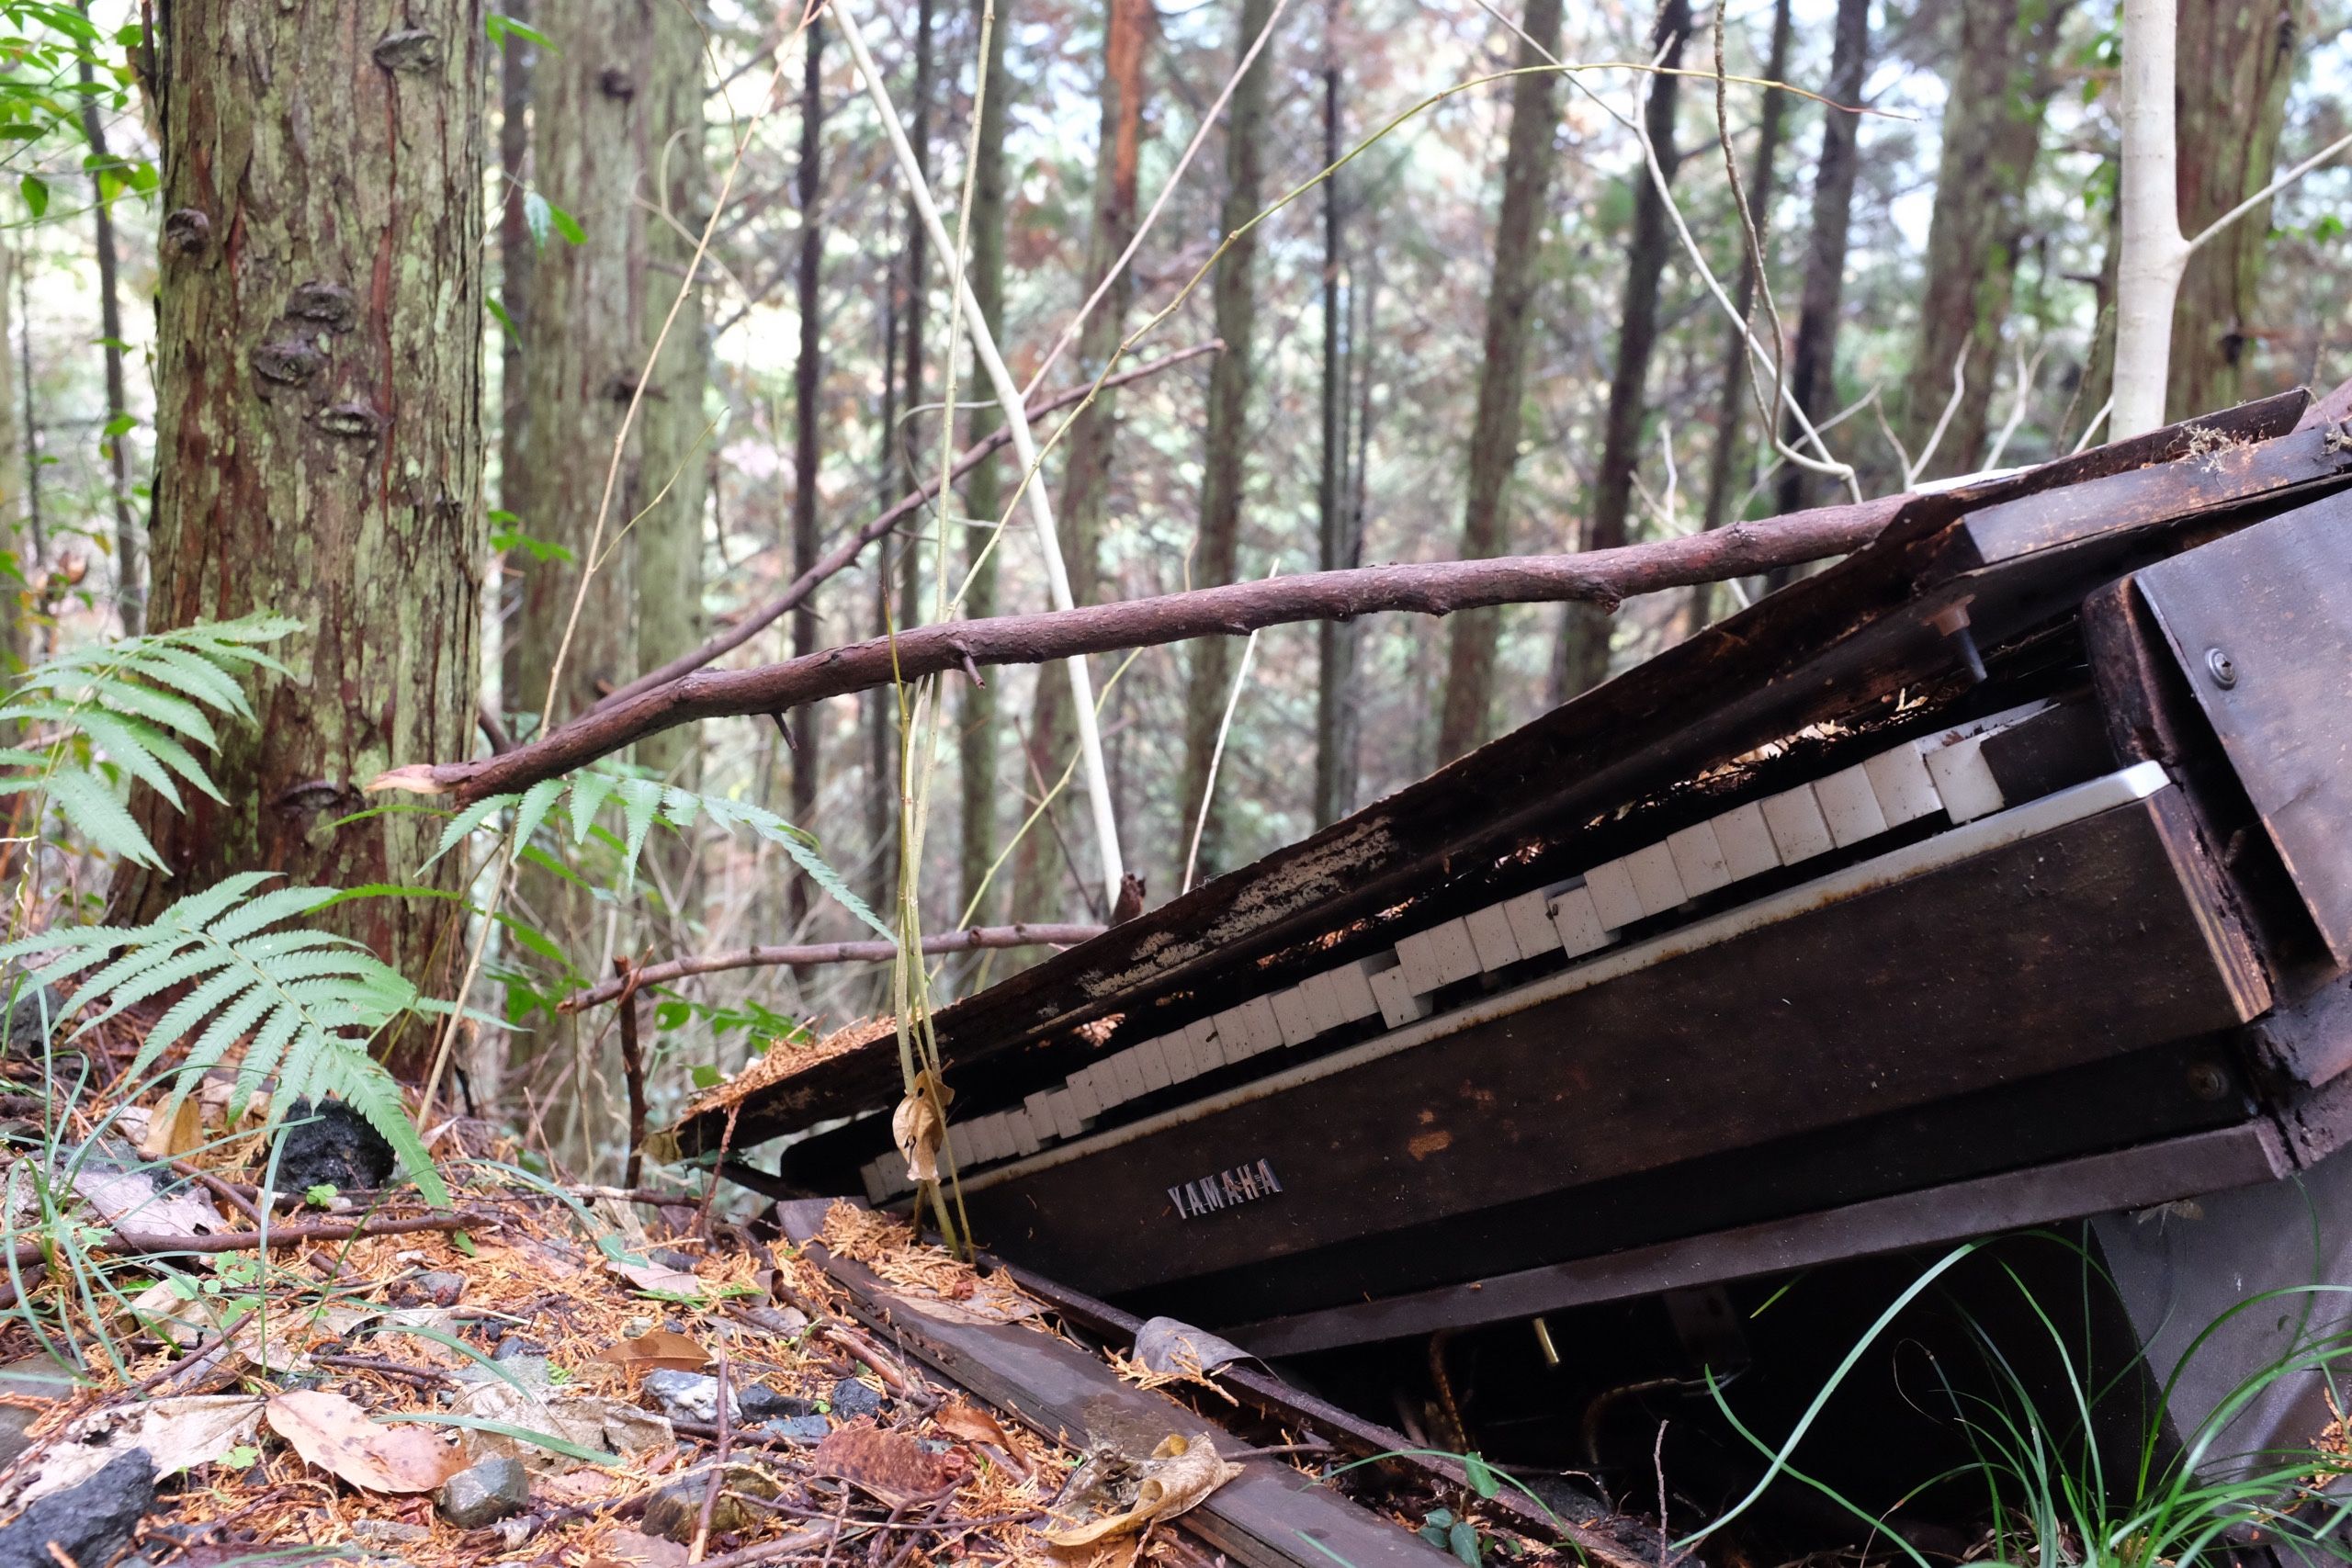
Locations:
2090 940
2260 622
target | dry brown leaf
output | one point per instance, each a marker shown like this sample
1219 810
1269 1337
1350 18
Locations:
971 1423
919 1127
657 1277
629 1548
663 1349
1182 1471
336 1435
184 1131
891 1465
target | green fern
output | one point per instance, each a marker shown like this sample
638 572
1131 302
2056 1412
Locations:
311 1001
135 708
643 803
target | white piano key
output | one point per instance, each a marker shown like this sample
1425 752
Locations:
1352 990
1181 1063
1490 937
1399 1005
1293 1017
1151 1065
991 1139
959 1144
878 1185
1655 882
1746 841
1243 1031
1531 922
1025 1140
1899 779
1126 1077
1438 956
1963 782
1321 995
1612 885
1848 806
1265 1029
1086 1101
1798 829
1041 1112
1208 1052
1062 1106
1577 923
1699 859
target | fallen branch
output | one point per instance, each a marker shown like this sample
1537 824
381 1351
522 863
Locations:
848 551
810 956
1433 588
136 1244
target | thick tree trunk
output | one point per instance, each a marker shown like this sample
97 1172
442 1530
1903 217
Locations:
2006 72
984 495
1585 629
1339 538
2231 104
808 378
1234 295
14 540
516 253
1732 399
675 441
318 421
1086 482
130 565
1495 427
1813 361
583 353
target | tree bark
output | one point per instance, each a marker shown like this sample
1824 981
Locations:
1234 298
1235 609
1584 630
1093 432
1494 428
319 418
2006 70
2231 110
584 351
1732 398
1812 362
131 586
1338 537
676 466
516 253
984 495
807 387
15 571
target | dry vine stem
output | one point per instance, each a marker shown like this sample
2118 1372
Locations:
1433 588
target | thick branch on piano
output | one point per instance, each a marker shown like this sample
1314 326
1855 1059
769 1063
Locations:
811 955
1430 588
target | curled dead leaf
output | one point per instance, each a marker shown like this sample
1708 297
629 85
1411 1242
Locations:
919 1127
658 1276
891 1465
1182 1471
971 1423
662 1351
333 1433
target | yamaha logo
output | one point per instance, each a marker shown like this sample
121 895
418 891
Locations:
1225 1190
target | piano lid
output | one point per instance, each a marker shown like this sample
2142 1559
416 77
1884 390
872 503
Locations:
2000 557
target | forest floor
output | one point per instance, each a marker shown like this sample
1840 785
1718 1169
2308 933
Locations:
535 1375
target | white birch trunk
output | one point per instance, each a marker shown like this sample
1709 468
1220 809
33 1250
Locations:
2148 273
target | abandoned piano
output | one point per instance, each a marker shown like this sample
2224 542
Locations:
2000 873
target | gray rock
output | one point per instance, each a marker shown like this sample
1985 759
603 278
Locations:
693 1396
798 1428
675 1512
439 1288
90 1523
388 1532
484 1493
515 1348
34 1014
757 1402
34 1377
853 1399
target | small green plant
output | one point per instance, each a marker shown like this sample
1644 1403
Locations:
319 1195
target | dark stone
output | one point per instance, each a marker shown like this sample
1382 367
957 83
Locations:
327 1144
798 1428
23 1382
90 1523
329 304
515 1348
484 1493
440 1288
411 50
288 361
674 1512
35 1011
853 1399
760 1403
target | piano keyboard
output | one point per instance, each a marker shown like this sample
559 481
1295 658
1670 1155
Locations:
1583 919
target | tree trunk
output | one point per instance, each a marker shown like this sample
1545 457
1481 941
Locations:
1339 543
1234 296
16 569
1494 428
516 253
1733 400
131 586
583 352
1585 629
808 379
675 444
2232 106
2001 88
1813 361
319 418
1086 482
984 493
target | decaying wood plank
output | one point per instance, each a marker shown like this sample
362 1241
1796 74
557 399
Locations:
1269 1517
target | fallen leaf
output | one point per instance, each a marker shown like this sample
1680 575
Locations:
129 1201
662 1350
584 1421
891 1465
334 1434
184 1131
971 1423
178 1434
919 1126
657 1277
629 1548
1183 1470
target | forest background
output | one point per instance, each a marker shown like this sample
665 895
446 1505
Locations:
494 295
